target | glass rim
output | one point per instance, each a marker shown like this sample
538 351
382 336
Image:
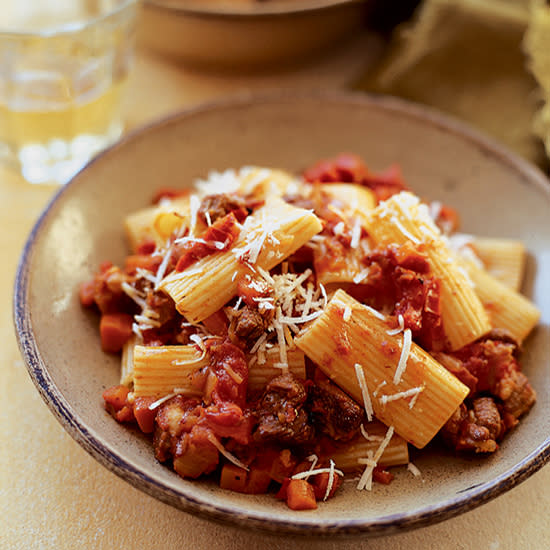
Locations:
70 27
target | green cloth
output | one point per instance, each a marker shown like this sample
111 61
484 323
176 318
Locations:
467 58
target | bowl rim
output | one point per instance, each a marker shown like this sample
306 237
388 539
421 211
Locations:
467 499
197 8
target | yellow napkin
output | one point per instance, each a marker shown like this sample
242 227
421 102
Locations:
466 58
537 47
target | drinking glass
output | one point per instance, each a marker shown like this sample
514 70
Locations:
63 68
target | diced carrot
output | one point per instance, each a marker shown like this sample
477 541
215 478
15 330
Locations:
320 484
257 482
282 466
116 402
300 495
233 478
382 476
281 493
144 415
126 414
116 396
115 329
86 293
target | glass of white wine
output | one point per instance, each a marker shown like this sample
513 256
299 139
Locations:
63 67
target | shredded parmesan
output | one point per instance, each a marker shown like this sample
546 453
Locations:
330 483
133 293
364 390
399 329
405 350
362 275
378 388
369 437
414 470
355 234
401 395
162 267
347 313
377 314
309 473
404 231
216 442
365 482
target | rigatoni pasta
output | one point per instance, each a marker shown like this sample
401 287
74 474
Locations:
415 394
403 219
278 331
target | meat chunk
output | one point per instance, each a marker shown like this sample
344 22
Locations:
281 413
248 325
477 428
195 454
174 417
217 206
333 412
520 395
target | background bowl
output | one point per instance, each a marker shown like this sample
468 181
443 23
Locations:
497 194
237 35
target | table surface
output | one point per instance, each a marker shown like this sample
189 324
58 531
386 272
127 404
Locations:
53 495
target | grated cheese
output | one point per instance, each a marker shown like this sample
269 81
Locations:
162 267
309 473
362 275
368 437
216 442
378 388
365 482
364 390
406 233
399 329
414 470
347 313
355 234
401 395
180 362
404 357
134 294
377 314
330 480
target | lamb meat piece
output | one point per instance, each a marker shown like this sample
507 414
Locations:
476 429
520 395
333 412
195 454
282 416
248 325
217 206
174 417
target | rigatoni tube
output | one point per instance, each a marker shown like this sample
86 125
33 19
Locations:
349 334
403 219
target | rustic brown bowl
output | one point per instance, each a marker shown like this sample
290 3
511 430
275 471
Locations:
497 193
242 35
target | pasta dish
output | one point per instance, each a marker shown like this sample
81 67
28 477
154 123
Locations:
280 332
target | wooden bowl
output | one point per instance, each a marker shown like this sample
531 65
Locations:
246 35
497 193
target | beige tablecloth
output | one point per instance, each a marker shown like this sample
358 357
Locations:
53 495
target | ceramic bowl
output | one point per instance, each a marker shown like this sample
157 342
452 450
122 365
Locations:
497 193
246 35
